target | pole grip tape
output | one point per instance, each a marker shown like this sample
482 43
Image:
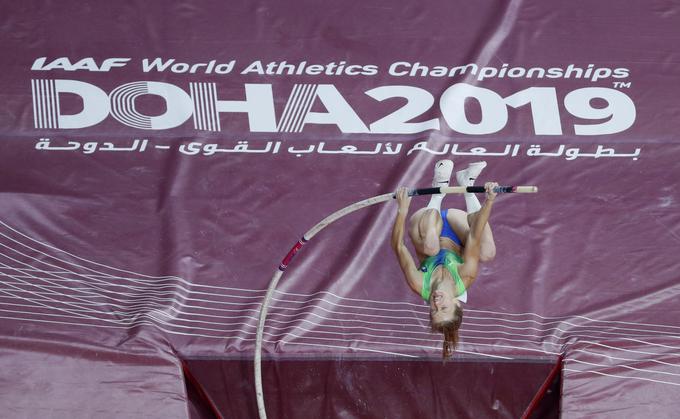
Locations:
424 191
293 251
498 189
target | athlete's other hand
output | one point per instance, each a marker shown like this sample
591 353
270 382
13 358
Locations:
489 187
403 200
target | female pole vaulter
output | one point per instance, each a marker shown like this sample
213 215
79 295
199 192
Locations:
449 246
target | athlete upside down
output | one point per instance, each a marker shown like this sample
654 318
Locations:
449 246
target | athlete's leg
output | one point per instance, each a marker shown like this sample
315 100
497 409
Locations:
461 222
425 225
472 251
467 177
458 220
424 228
442 175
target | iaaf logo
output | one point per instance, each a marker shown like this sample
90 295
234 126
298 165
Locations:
202 105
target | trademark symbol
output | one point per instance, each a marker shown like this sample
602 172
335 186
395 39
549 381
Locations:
622 84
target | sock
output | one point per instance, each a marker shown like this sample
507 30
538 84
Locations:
436 201
467 178
442 176
471 202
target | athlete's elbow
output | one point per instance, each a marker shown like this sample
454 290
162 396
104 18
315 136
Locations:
394 243
398 247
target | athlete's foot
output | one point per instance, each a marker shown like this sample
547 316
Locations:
468 176
442 173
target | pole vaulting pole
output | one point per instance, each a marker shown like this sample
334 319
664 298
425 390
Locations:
259 393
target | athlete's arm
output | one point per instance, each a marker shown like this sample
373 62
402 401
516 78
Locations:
470 267
414 278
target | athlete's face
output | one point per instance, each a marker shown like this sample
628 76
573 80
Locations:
443 305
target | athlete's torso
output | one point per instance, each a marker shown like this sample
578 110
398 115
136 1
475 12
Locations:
446 263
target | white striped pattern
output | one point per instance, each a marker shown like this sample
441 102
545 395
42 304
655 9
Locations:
298 106
123 105
204 97
41 284
45 104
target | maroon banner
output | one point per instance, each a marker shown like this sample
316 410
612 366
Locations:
158 160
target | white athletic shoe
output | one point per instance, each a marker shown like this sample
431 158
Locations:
468 176
442 173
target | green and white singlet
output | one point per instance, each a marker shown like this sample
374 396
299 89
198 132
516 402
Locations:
450 260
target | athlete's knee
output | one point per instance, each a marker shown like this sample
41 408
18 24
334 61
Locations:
431 215
431 245
487 253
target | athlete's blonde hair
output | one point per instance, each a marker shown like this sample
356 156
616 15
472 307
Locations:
449 328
